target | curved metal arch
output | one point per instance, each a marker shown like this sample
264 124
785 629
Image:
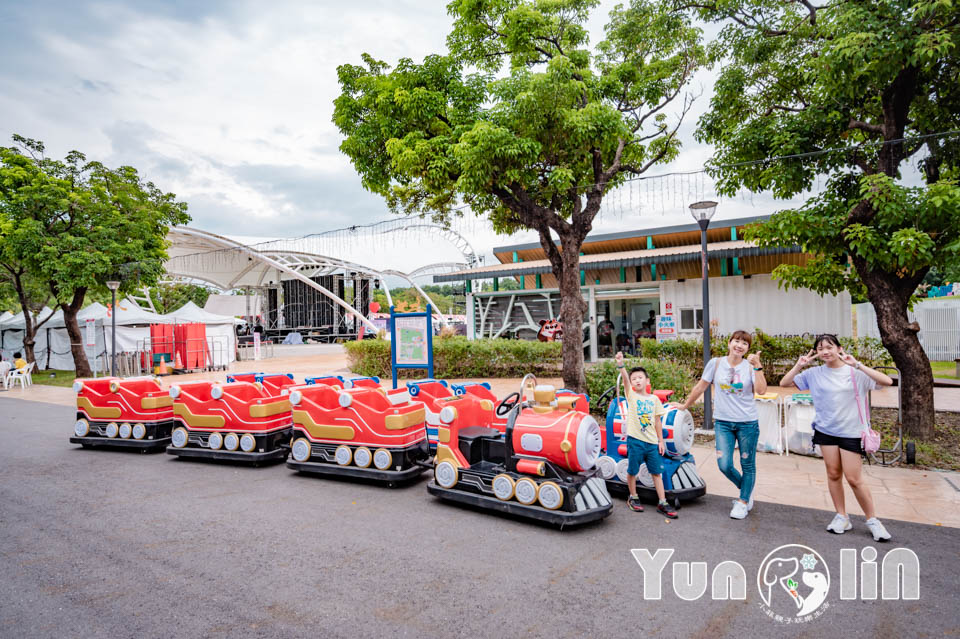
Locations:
266 260
460 242
436 269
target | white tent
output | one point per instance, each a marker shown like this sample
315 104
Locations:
52 347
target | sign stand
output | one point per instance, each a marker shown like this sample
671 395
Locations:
411 341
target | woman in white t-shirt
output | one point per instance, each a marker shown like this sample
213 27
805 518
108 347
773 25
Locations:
839 391
735 418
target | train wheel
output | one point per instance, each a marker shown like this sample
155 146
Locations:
382 459
215 441
300 450
231 442
526 491
112 430
179 437
607 467
503 487
362 457
343 455
550 495
446 474
81 428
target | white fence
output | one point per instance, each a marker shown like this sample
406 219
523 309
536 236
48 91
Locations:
939 322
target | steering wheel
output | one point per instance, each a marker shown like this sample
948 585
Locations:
603 402
507 404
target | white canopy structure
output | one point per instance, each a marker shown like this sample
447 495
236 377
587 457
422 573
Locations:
228 264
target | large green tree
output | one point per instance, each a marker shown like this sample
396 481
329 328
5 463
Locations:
107 224
862 88
537 135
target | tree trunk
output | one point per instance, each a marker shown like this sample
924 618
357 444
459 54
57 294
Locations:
80 363
900 338
572 308
29 328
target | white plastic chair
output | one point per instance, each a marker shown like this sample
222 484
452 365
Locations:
22 375
4 373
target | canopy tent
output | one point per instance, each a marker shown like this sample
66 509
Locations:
52 344
234 305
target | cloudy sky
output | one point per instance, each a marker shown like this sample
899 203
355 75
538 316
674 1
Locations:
228 104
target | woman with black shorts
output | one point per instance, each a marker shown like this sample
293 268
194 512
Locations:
839 391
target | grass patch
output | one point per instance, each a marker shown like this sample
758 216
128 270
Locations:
944 369
54 378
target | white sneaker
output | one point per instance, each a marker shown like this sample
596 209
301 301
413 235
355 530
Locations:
750 503
840 524
879 532
739 509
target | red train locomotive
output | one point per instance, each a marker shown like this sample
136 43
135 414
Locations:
362 432
541 468
239 421
134 413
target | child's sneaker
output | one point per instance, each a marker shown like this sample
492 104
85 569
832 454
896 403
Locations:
664 509
879 532
739 510
750 503
635 505
840 524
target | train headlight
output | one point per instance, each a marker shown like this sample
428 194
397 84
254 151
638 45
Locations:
295 397
77 387
216 391
174 392
345 400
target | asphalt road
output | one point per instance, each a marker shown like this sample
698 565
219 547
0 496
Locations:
111 544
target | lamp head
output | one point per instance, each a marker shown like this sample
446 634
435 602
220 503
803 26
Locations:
703 211
113 285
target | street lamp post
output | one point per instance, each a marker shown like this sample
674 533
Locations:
113 285
702 212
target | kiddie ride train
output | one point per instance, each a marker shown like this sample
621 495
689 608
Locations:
134 413
541 467
354 428
240 421
681 481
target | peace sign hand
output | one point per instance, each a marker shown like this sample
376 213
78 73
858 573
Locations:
806 360
754 359
846 358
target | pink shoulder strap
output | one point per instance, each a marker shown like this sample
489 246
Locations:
856 393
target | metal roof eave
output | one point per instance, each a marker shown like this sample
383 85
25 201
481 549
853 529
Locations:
600 265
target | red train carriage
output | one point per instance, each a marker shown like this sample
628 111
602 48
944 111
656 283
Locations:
433 394
542 468
360 432
134 413
239 421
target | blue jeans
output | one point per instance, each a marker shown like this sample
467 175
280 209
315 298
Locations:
745 435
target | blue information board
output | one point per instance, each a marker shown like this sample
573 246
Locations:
411 341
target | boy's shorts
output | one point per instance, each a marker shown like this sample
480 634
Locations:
641 452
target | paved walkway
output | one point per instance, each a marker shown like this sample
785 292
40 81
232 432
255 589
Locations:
908 494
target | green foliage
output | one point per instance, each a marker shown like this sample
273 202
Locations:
409 299
170 297
778 353
664 375
799 78
458 357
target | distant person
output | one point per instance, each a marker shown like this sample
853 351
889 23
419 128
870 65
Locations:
839 391
651 321
18 360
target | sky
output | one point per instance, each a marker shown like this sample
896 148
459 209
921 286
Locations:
228 104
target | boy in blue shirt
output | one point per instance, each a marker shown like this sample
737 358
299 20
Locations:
644 436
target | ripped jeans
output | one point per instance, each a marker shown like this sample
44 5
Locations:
745 435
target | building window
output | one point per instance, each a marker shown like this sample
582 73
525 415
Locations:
687 322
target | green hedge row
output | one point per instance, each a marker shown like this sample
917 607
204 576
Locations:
778 354
457 357
664 375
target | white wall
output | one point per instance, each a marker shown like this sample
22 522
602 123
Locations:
758 302
939 320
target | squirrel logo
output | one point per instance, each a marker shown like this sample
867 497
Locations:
550 330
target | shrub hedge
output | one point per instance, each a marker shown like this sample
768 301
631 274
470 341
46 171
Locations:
663 375
457 357
778 353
